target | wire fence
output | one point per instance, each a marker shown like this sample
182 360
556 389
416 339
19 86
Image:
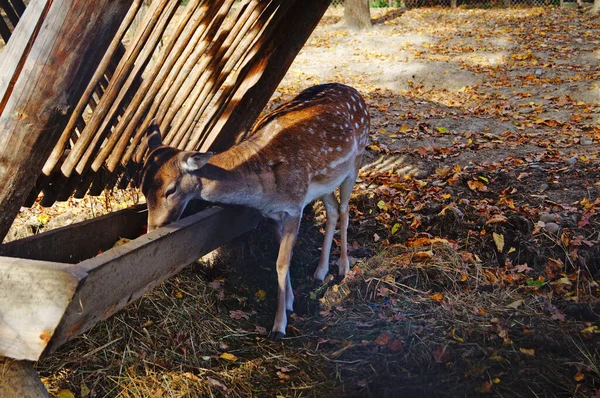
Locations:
456 3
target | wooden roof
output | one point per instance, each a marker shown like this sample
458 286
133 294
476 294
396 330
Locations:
204 71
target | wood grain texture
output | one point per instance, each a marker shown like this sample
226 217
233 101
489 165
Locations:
19 379
271 58
33 298
61 62
78 242
123 274
14 55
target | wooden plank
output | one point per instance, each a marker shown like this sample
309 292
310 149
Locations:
16 51
68 48
271 58
19 379
19 6
33 298
4 30
10 12
122 274
80 241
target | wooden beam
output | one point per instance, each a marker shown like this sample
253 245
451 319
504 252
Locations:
123 274
14 55
61 62
4 30
86 97
33 299
79 241
19 6
10 12
19 379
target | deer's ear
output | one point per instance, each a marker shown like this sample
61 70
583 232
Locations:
153 137
196 161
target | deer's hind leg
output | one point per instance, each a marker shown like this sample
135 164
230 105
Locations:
331 209
345 193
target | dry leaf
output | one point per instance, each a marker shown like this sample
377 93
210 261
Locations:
228 357
437 297
422 256
261 295
384 338
441 354
497 218
282 375
528 351
499 241
64 393
515 304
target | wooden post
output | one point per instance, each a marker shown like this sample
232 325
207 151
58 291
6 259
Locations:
56 70
279 50
19 379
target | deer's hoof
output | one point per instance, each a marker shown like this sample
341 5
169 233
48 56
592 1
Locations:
277 336
317 283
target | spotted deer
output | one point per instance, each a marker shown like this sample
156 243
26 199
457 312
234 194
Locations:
300 152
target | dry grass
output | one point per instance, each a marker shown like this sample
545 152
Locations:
413 320
383 332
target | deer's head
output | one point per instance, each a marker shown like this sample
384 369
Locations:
169 179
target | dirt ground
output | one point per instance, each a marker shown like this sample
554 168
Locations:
474 234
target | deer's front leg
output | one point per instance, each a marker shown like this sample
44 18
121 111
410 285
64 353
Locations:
288 239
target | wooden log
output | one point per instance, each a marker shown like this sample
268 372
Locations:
33 299
263 77
60 146
16 51
53 77
19 379
117 277
84 185
153 80
112 97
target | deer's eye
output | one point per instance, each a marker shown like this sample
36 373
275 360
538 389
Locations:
170 191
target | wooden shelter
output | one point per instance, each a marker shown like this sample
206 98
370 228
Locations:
79 83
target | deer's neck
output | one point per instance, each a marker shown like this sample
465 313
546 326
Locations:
233 177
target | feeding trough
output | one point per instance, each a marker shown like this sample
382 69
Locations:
54 286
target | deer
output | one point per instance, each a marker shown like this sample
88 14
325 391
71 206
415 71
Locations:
300 152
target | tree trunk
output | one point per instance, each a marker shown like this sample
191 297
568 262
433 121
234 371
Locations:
596 7
357 14
54 71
